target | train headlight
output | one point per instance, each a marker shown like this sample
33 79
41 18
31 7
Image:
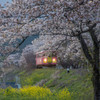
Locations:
45 60
54 60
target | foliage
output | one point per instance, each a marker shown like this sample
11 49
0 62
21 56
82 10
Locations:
78 81
37 93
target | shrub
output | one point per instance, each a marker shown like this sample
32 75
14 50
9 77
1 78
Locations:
36 92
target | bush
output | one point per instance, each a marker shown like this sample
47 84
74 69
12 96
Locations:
36 92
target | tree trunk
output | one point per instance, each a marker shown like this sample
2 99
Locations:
94 61
96 73
96 82
95 64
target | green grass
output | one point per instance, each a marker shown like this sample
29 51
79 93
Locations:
78 82
27 98
35 76
24 98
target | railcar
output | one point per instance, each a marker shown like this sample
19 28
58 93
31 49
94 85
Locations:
46 58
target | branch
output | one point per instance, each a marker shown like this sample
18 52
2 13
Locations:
84 31
22 42
85 48
57 34
94 38
61 43
75 7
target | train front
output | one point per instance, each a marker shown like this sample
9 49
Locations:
46 58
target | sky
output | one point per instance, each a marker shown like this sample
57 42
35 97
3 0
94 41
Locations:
2 2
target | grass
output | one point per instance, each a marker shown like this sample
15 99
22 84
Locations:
78 82
35 76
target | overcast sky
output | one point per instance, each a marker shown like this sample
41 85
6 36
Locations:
2 2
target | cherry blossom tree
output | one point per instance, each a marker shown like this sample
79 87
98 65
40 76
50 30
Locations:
84 20
61 21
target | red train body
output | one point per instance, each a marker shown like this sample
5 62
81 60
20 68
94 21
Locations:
46 58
